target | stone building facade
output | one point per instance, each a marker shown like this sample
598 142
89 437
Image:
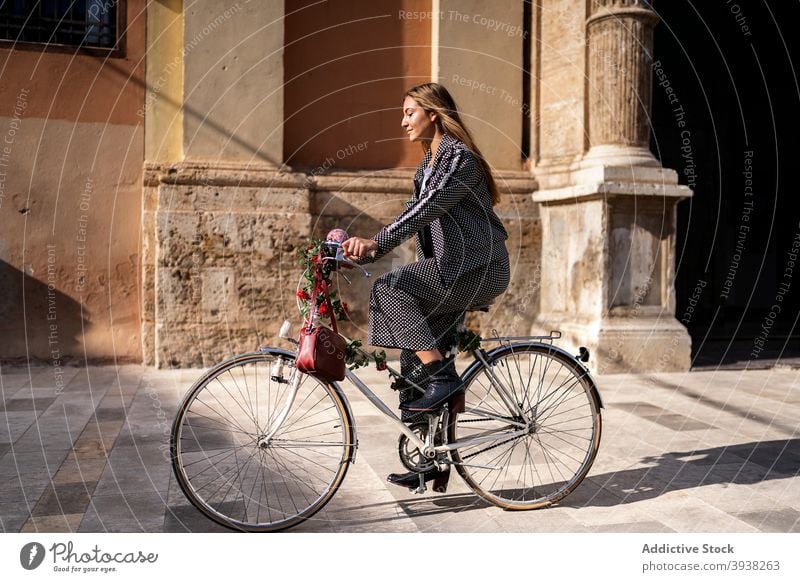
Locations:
256 125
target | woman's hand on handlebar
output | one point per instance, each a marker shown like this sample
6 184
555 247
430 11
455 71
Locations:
356 247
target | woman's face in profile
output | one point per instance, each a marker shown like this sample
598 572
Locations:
417 124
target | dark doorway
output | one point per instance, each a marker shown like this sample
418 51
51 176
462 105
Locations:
725 104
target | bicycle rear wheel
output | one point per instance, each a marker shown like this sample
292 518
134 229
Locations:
561 427
231 473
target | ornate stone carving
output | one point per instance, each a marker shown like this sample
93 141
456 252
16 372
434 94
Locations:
601 8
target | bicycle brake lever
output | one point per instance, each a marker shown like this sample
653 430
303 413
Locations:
360 268
340 258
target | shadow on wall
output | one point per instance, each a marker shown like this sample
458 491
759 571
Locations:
37 321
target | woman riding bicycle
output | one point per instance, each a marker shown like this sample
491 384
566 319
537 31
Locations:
461 251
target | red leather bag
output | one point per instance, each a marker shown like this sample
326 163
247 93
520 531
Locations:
322 352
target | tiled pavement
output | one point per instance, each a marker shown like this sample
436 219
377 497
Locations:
710 451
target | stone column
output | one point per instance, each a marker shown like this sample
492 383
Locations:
620 42
608 219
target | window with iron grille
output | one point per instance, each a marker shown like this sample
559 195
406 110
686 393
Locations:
78 23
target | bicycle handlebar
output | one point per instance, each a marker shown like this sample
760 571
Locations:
339 258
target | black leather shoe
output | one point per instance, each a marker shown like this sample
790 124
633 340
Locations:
444 384
411 479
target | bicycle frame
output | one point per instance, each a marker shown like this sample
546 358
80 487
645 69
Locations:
426 449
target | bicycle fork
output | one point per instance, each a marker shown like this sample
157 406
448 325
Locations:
263 442
426 448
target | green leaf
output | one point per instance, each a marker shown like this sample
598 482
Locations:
467 340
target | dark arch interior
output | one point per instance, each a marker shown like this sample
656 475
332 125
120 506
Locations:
725 102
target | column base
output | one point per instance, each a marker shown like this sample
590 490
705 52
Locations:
619 155
624 345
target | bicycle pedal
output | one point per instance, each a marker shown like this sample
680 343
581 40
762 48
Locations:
421 488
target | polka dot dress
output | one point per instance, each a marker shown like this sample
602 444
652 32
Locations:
409 308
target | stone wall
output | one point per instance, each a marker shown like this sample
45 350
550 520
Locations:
220 252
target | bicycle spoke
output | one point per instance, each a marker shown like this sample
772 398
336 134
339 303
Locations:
488 390
548 457
205 458
261 489
232 481
539 467
214 479
225 408
247 466
320 465
196 475
286 484
497 474
236 400
226 426
306 418
240 483
235 383
562 391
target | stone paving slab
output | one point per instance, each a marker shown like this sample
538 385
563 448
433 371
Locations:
706 451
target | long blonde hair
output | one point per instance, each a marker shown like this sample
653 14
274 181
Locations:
434 98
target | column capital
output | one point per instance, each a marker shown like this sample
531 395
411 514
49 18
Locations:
641 9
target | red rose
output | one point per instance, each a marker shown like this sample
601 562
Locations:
381 366
303 295
323 309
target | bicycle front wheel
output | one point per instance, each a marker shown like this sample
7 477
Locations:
229 469
534 459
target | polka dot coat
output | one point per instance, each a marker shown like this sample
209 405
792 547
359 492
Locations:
418 306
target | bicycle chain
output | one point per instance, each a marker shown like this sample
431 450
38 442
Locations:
493 446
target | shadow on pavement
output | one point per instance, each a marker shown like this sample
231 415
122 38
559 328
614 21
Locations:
742 464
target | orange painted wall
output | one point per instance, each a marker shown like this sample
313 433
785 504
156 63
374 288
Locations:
80 87
70 205
346 66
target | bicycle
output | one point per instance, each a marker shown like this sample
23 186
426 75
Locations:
258 446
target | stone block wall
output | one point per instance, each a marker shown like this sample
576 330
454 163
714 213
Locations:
220 254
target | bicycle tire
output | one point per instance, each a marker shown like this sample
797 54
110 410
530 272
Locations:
228 476
549 461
